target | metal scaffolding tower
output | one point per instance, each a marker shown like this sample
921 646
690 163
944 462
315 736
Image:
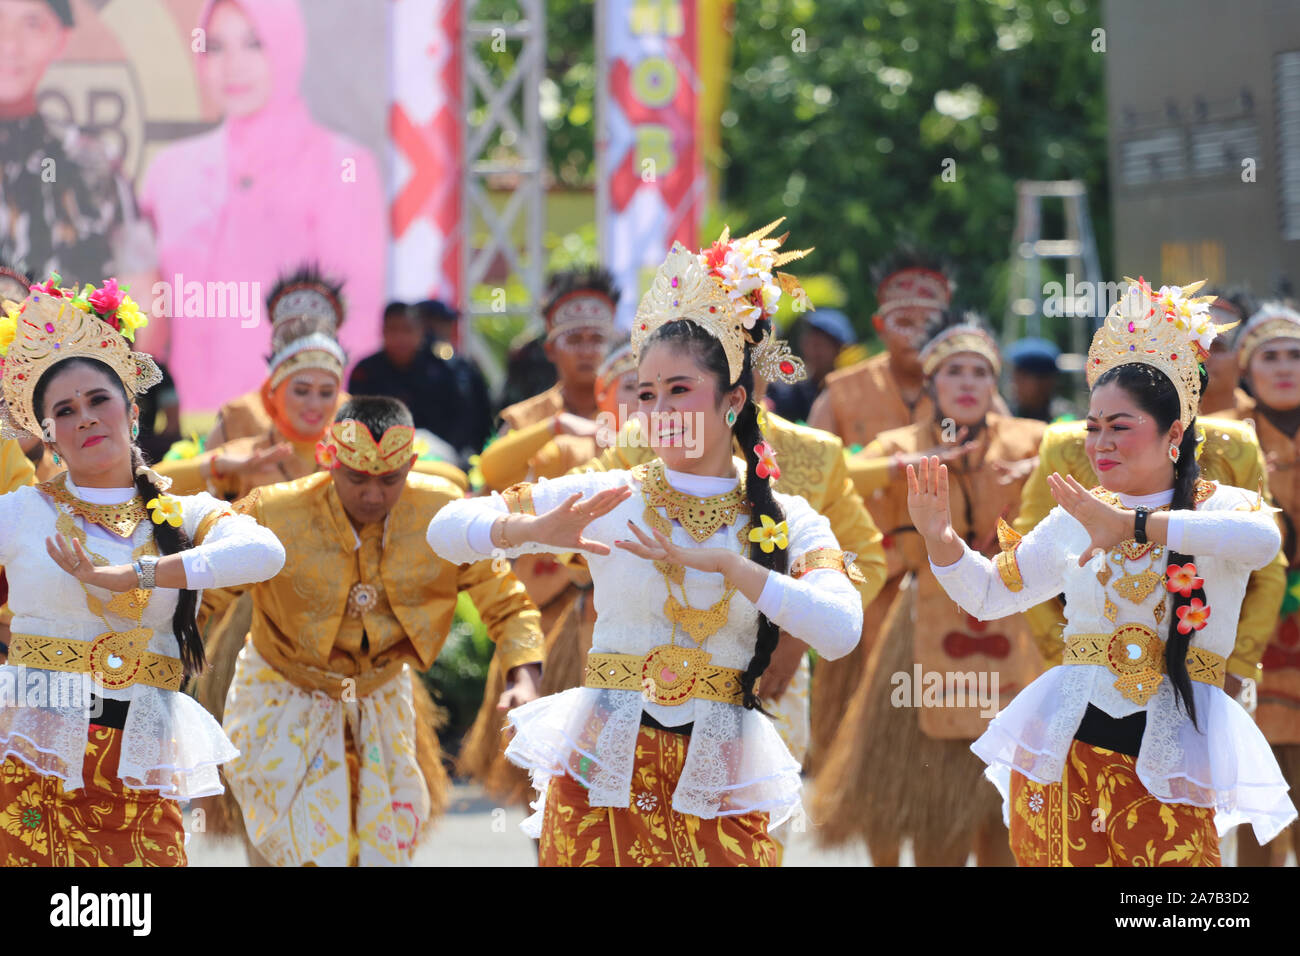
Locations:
504 155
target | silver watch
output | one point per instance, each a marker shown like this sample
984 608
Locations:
144 571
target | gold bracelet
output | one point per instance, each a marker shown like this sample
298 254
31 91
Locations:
505 539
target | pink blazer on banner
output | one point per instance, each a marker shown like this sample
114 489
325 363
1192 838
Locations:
255 198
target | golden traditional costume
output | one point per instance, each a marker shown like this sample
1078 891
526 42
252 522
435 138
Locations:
98 744
321 705
868 785
670 768
1044 751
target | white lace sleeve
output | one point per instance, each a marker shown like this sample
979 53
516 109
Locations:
1016 580
1229 527
235 549
11 506
822 607
461 530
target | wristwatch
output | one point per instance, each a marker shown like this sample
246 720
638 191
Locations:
144 571
1140 525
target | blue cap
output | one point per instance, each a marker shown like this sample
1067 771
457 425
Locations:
834 323
1037 356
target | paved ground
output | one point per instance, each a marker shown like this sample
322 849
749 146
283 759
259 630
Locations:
475 832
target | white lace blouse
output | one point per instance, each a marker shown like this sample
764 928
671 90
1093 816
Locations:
1224 761
170 743
736 762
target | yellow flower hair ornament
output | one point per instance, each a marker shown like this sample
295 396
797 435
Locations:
166 508
770 535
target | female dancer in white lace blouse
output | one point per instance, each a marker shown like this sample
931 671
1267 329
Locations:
98 744
1132 713
664 757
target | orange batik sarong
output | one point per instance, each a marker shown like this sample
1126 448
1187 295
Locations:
648 832
1100 814
104 823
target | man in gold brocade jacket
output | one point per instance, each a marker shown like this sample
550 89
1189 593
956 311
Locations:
1229 454
336 765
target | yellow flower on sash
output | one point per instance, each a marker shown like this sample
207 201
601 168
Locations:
166 508
770 535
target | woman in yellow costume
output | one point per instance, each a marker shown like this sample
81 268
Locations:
1129 753
662 757
1268 353
274 438
900 762
100 747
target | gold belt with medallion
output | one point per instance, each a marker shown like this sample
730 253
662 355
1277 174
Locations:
118 659
1135 654
667 675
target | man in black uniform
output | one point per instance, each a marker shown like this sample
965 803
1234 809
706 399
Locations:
438 390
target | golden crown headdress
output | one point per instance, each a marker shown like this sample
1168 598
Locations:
725 290
52 325
350 443
1170 330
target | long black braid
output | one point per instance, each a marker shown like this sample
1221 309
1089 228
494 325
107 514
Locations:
168 539
1153 392
708 351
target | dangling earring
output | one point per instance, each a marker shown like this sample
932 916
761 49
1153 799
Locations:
731 417
1173 453
56 457
135 429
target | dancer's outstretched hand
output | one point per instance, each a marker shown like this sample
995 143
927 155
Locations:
1106 524
927 504
562 526
660 548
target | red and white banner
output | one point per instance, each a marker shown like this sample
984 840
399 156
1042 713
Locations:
424 121
649 163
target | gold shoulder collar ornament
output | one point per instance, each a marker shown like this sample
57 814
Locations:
1169 330
120 519
701 517
726 290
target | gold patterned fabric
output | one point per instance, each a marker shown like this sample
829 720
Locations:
1231 454
1135 654
303 801
830 558
103 823
689 675
300 620
1100 814
649 832
117 659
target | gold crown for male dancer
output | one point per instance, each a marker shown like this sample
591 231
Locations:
350 443
726 290
1168 330
54 324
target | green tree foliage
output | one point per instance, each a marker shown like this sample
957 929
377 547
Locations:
842 113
